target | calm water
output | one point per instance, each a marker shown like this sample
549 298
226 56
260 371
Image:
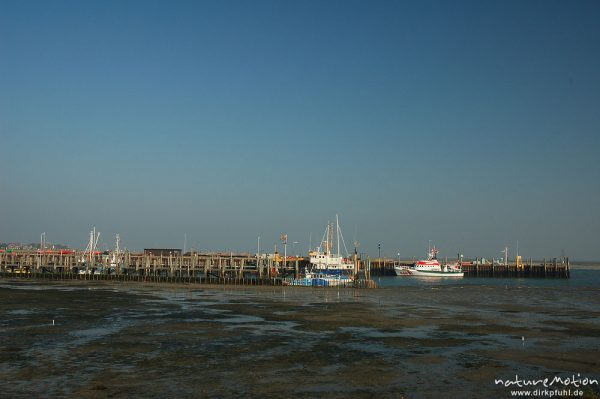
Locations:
581 276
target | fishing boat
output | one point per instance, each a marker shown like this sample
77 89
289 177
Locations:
88 258
328 268
430 267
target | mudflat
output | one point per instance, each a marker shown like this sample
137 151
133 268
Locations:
101 340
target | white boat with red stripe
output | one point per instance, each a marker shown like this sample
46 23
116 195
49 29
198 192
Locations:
430 268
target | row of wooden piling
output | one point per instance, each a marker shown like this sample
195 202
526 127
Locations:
553 268
235 267
145 278
197 280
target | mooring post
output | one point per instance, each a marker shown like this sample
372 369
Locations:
296 268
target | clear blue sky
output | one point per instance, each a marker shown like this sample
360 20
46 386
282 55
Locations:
473 124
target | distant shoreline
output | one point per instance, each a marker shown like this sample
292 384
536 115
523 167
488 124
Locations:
585 265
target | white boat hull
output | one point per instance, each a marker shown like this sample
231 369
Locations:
410 271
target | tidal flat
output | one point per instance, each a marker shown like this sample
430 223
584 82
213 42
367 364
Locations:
112 340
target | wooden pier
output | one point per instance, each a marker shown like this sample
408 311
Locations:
194 267
139 264
547 268
231 268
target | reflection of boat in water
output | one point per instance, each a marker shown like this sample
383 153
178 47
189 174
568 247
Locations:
430 268
328 269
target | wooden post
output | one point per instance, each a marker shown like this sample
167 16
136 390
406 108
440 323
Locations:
259 266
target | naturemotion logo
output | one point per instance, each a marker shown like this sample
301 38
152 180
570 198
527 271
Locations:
560 386
576 382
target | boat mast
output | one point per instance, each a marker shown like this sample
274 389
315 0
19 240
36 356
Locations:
329 242
327 247
91 246
337 233
96 240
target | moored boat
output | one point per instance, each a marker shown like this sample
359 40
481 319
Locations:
328 268
430 268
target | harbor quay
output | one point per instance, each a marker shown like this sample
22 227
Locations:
529 268
164 265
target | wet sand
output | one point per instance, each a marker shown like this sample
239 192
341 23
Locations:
131 340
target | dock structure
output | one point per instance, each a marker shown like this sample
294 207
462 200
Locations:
157 266
227 268
546 268
172 264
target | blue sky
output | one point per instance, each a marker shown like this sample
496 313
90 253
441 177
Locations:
473 124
